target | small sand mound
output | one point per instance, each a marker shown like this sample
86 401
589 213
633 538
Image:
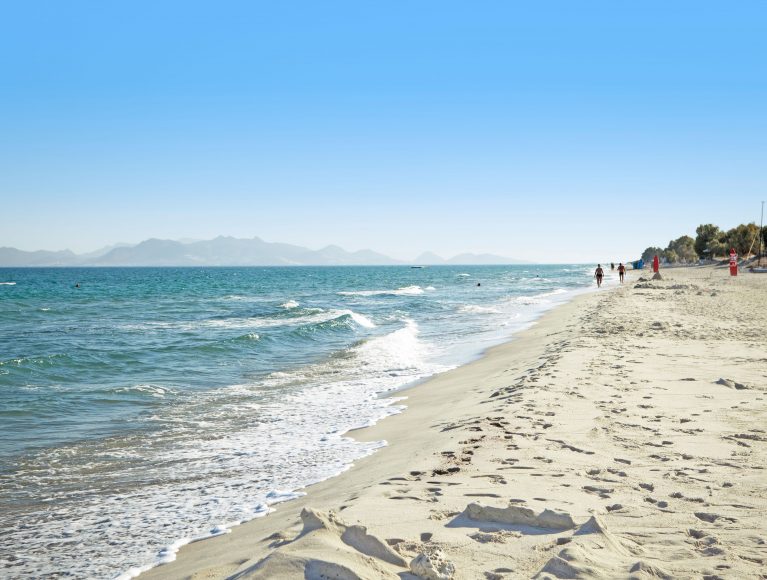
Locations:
354 536
575 562
328 548
595 525
322 569
643 570
519 515
657 276
594 552
432 566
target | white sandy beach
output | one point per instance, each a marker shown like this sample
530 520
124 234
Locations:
622 436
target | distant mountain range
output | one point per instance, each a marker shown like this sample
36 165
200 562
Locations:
226 251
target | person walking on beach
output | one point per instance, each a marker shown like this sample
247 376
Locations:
598 273
621 271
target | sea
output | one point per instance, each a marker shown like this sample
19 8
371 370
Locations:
143 408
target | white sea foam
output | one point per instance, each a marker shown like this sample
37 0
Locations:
397 351
360 319
464 275
311 316
152 390
555 292
527 300
289 304
7 283
477 309
537 299
279 496
430 288
244 298
264 436
405 291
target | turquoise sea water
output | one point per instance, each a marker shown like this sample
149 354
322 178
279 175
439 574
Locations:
151 406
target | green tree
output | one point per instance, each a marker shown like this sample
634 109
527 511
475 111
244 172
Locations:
709 241
682 250
650 252
743 238
671 256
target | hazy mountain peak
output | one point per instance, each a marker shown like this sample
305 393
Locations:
223 251
429 258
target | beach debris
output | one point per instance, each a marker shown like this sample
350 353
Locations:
432 566
515 514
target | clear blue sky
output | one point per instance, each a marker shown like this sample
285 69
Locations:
572 131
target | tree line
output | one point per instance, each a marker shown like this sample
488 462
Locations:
710 242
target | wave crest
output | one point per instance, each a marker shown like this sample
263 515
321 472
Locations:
404 291
477 309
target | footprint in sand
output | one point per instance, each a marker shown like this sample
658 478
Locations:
447 471
603 492
711 518
499 479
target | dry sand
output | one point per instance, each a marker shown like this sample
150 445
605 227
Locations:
623 436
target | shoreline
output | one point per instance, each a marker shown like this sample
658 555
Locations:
323 491
293 442
619 436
